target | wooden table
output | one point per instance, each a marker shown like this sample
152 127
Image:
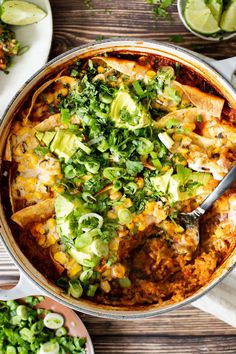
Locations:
187 330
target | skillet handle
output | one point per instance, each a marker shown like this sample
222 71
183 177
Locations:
226 68
22 289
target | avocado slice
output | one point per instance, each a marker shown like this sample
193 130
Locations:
64 144
160 183
63 206
175 183
86 259
39 135
174 191
48 137
127 113
201 177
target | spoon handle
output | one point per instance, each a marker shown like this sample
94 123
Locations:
219 190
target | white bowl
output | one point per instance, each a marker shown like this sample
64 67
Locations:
216 38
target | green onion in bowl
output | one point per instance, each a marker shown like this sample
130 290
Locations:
30 326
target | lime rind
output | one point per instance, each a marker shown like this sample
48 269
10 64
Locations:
216 7
199 17
20 13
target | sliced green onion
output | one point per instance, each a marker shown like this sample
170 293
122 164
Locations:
85 275
117 185
105 98
16 320
91 290
75 289
22 311
166 140
130 188
125 216
12 304
65 115
145 146
113 173
70 171
199 118
172 122
95 140
83 240
157 163
87 197
101 114
83 147
61 332
10 350
103 146
49 348
91 263
37 326
138 88
99 248
26 334
88 216
53 320
125 282
92 167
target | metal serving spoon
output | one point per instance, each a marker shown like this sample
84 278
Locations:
190 221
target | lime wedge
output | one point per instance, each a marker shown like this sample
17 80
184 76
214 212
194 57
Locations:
216 8
21 13
199 17
228 18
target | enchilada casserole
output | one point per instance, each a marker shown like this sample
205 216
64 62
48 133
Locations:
98 165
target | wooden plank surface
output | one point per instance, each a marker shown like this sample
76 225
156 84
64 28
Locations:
185 331
188 330
75 24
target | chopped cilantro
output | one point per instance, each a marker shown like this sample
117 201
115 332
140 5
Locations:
176 38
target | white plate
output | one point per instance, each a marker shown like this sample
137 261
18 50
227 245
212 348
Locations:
38 37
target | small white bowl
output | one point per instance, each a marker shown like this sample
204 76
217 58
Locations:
216 38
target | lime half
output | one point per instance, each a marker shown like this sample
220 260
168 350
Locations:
200 18
228 18
21 13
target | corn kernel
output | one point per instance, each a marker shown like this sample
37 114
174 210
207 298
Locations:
105 286
51 223
118 270
61 257
51 240
127 203
107 273
74 271
150 73
140 182
114 244
111 215
41 239
38 195
70 264
123 233
49 97
100 69
115 195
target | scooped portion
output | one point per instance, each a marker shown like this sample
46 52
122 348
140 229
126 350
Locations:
101 160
